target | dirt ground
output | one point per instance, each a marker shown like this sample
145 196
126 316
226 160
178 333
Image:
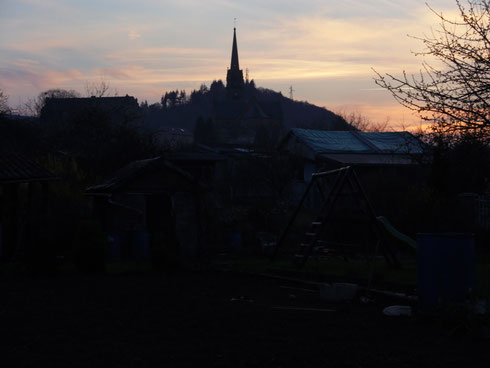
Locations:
211 319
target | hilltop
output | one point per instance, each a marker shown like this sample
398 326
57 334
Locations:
177 110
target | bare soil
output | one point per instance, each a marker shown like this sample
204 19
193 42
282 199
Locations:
212 319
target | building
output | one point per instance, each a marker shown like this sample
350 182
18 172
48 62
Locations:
323 150
147 205
59 112
24 205
234 75
387 163
243 118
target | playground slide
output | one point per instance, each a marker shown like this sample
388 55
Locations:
391 232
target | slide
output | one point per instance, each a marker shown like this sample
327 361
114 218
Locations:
394 235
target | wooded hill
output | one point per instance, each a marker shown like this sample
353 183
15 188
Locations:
178 110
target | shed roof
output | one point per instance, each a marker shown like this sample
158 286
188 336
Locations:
132 171
15 168
361 159
323 141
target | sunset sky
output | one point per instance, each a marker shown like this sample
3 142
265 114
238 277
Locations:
325 49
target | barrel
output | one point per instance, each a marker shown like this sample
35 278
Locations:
445 269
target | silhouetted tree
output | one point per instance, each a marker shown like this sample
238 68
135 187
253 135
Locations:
100 89
217 86
155 107
35 106
456 96
182 98
462 167
4 107
197 95
169 100
360 122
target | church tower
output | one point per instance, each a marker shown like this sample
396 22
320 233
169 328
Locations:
234 77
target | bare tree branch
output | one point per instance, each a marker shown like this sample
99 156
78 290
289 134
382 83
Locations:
456 96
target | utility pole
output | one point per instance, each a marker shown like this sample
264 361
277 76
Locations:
291 90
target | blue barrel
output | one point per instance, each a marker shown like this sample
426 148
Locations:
140 245
114 246
235 241
445 268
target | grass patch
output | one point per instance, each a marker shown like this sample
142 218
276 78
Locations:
355 269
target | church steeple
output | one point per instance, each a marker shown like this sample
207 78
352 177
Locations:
234 53
234 77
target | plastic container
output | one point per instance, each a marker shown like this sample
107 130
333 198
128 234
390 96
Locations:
114 247
141 245
445 268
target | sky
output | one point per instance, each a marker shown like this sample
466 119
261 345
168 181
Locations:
325 49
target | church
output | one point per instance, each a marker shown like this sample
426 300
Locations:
242 117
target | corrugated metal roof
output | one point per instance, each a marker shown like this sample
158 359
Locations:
367 159
15 168
328 141
322 141
399 142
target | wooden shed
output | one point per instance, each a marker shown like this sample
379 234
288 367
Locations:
23 204
147 202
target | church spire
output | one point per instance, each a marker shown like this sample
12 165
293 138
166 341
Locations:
234 77
234 52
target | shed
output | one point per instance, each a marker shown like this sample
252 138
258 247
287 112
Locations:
147 202
387 162
23 203
353 147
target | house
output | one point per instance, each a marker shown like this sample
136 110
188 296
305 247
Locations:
387 163
60 112
146 205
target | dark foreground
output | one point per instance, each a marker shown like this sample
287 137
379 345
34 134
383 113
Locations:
211 319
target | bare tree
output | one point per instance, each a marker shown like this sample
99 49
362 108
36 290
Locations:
100 89
456 96
362 123
34 106
4 107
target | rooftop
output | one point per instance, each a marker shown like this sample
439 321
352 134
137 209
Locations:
15 168
323 141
